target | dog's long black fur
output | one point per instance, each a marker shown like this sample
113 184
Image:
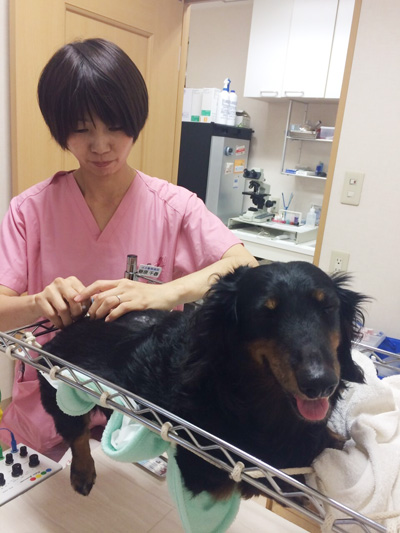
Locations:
266 341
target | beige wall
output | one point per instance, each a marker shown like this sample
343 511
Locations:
5 164
369 143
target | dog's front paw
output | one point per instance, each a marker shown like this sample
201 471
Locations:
82 479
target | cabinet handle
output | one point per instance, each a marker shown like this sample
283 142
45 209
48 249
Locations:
269 93
294 93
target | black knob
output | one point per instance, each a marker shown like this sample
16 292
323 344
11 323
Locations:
23 451
16 470
2 479
9 459
34 460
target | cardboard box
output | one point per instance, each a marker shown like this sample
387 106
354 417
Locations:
209 104
197 96
327 132
192 99
187 105
294 516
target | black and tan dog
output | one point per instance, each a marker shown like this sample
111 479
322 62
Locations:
261 364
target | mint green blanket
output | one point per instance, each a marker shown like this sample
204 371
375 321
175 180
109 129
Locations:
128 441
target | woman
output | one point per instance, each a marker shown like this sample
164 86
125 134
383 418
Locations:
64 241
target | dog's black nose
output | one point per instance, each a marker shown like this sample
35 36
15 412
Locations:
317 384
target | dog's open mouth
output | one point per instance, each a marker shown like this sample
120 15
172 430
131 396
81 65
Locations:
313 409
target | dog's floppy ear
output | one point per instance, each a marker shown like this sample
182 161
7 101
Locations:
220 305
351 321
214 327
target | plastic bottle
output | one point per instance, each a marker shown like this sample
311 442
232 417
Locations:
311 217
223 103
232 108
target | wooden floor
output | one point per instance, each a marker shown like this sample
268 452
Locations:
124 499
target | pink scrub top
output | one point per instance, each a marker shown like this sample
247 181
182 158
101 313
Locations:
49 231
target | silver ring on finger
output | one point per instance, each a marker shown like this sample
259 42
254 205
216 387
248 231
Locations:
119 298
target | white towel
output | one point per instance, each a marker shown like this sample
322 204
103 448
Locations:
365 474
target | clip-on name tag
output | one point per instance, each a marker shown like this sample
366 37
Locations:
150 271
147 272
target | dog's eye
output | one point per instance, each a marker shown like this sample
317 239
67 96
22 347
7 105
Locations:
330 308
326 302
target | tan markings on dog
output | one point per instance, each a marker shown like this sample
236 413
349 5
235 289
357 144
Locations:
338 441
267 351
318 295
271 303
224 490
334 339
83 472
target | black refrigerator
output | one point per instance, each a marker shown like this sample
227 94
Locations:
211 163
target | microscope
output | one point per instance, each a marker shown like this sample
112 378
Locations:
259 196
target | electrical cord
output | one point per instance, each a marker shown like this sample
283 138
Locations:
1 416
14 447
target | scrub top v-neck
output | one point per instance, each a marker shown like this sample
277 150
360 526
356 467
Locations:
108 232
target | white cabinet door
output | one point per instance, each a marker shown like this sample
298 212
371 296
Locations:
309 48
298 48
339 48
270 27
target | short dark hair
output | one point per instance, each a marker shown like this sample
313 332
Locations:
89 77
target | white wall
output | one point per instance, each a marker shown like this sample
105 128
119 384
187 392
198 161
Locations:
369 143
5 165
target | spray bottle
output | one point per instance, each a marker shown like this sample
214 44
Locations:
232 108
223 103
311 217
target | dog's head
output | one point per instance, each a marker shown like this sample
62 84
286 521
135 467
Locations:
295 322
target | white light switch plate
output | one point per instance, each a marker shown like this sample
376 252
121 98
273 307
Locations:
352 187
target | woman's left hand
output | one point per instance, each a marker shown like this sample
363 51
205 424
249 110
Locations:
112 299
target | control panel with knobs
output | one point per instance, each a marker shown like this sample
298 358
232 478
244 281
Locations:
22 470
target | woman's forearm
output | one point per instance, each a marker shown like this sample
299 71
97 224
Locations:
193 286
55 302
17 311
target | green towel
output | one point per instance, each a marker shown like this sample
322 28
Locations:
198 514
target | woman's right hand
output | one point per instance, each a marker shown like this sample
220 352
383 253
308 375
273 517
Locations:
56 301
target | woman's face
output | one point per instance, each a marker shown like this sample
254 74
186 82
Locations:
100 149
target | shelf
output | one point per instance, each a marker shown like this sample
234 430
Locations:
299 234
303 154
263 245
308 140
303 176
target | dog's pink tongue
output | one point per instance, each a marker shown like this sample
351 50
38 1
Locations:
313 409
